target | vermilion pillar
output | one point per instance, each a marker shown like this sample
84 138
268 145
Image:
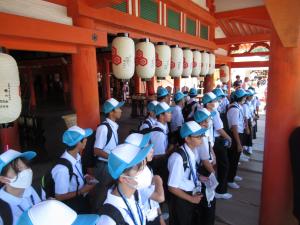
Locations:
150 86
137 84
177 84
230 79
9 137
209 83
283 115
107 79
84 82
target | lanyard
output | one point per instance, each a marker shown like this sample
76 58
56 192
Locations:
129 211
113 133
32 201
191 167
80 174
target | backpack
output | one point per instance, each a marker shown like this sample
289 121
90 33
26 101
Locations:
48 183
111 211
88 158
187 109
225 120
145 122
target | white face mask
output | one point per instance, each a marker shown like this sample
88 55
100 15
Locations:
23 180
143 179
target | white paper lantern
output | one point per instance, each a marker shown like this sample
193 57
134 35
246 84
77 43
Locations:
196 63
212 63
224 73
205 63
187 63
145 59
123 56
163 60
176 61
10 100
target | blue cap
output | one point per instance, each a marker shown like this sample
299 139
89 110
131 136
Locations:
191 128
162 92
219 93
75 134
203 114
139 140
179 96
55 212
151 106
162 108
193 92
111 104
10 155
209 97
250 92
125 156
253 89
239 93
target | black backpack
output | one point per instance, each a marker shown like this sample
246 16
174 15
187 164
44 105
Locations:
88 158
187 109
145 122
225 120
48 183
111 211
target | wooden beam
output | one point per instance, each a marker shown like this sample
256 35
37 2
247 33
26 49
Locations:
258 12
59 2
102 3
243 39
222 59
286 20
247 54
23 27
250 64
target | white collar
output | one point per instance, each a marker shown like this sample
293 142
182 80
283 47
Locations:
117 201
152 120
162 126
189 151
69 157
13 200
114 125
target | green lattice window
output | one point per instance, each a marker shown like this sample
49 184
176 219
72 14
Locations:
173 19
149 10
190 26
204 31
121 6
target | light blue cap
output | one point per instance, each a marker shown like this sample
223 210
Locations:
209 97
203 114
111 104
193 92
139 140
179 96
55 212
191 128
219 93
239 93
125 156
162 108
75 134
162 92
10 155
151 106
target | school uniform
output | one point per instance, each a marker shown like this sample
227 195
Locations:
235 117
148 123
101 170
63 184
195 107
119 203
18 205
223 105
248 114
177 118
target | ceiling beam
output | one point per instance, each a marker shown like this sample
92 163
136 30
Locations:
243 39
102 3
286 20
250 64
259 12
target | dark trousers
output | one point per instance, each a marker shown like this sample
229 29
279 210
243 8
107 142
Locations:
222 164
79 204
206 213
105 182
154 222
234 158
248 137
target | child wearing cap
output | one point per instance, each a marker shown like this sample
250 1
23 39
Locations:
72 190
163 95
236 124
17 195
52 212
192 105
187 204
106 139
150 121
126 165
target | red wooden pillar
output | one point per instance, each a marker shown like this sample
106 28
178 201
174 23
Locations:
176 84
230 79
283 115
137 84
150 86
9 138
32 91
209 83
107 79
84 82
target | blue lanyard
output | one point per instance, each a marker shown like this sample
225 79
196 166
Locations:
80 174
191 167
32 201
113 133
129 211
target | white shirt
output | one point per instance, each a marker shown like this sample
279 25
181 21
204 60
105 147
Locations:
20 204
160 139
247 111
147 203
121 206
235 117
151 120
101 138
177 118
223 105
61 177
178 178
195 107
202 152
217 124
